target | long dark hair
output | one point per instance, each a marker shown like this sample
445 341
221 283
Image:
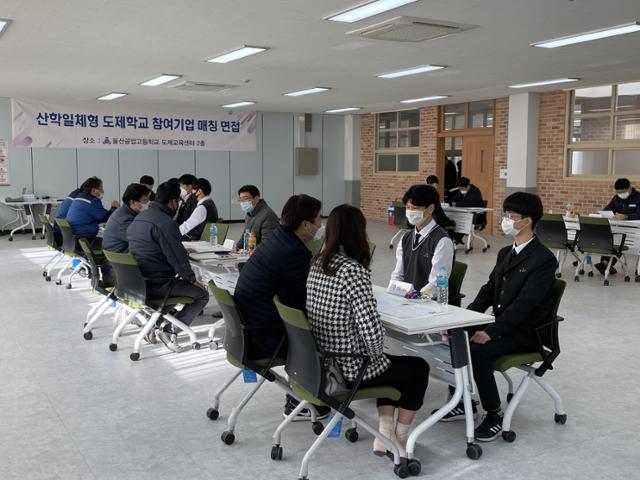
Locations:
347 228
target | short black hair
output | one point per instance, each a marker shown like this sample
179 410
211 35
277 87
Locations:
187 179
91 183
146 180
463 182
622 184
251 189
421 196
526 204
298 209
134 193
175 180
202 184
167 191
432 179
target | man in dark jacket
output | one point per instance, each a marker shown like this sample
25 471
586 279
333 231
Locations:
468 195
259 219
62 210
156 243
205 211
134 200
86 211
520 291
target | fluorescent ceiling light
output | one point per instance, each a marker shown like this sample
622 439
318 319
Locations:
425 99
159 80
411 71
307 91
4 23
589 36
544 82
238 104
112 96
367 10
342 110
237 54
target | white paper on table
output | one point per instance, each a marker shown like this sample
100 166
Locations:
396 287
606 213
205 247
395 307
229 244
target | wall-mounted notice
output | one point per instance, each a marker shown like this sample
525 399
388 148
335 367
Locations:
126 126
4 164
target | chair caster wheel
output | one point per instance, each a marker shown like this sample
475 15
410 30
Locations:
195 346
47 278
58 282
228 437
33 237
11 239
509 436
627 279
401 470
113 347
474 451
509 397
466 252
561 419
276 452
590 274
575 263
391 246
213 413
44 274
88 335
351 434
42 237
581 272
68 286
576 278
637 278
214 346
558 275
486 248
135 356
317 427
414 467
606 283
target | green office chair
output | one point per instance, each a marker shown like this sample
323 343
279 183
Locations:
458 272
52 243
223 229
548 350
71 249
596 238
315 246
237 346
131 291
307 369
552 232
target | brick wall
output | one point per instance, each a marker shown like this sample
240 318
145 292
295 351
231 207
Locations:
501 123
556 191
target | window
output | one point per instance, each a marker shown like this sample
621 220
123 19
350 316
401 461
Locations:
604 131
467 115
398 141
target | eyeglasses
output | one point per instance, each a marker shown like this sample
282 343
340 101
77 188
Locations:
510 216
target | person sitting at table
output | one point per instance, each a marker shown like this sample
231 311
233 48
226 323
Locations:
259 218
625 205
188 201
134 200
426 248
468 195
343 315
156 243
205 211
519 290
279 267
86 211
147 181
62 210
432 181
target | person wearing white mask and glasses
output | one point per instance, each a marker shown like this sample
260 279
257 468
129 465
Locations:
425 248
519 290
259 218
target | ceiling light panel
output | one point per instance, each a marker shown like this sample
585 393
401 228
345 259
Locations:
590 36
411 71
308 91
343 110
160 80
367 10
425 99
238 104
4 24
544 82
242 52
112 96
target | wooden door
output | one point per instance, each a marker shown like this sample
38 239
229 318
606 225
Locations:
477 166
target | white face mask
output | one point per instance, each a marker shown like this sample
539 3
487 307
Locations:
415 217
319 233
144 206
183 193
508 227
624 195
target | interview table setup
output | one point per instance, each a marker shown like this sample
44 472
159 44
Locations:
25 208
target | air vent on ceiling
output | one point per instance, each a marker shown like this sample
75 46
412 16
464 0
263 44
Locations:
409 29
202 87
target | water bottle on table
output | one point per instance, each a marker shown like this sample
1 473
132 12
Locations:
442 286
213 235
245 240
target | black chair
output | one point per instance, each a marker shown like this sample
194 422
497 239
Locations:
131 291
53 244
458 272
400 221
548 351
307 368
552 232
479 224
597 238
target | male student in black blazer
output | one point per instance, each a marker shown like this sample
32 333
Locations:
519 290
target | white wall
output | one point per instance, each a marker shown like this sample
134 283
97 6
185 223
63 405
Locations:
56 172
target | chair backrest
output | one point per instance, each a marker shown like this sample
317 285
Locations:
594 233
130 284
49 233
480 219
223 229
304 363
458 272
235 340
551 230
400 215
549 336
69 243
315 246
88 253
372 248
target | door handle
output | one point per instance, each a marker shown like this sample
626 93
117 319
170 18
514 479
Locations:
481 161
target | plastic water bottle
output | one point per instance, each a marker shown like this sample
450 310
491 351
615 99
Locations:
245 239
213 235
442 286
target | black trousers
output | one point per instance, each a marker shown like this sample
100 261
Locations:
410 375
180 288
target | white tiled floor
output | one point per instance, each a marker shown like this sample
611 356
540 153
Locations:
71 409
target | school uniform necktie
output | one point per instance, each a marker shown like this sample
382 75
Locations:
416 240
513 256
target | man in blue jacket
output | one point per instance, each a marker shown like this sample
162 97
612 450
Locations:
156 243
62 210
86 211
134 200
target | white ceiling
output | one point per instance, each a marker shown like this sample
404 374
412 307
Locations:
81 49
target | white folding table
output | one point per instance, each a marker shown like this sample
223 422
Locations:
464 216
24 211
